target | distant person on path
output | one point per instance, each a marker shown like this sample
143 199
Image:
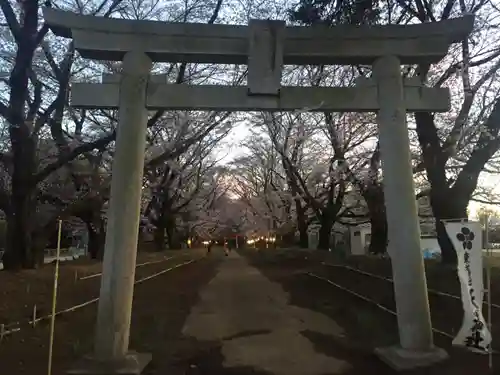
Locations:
226 248
209 247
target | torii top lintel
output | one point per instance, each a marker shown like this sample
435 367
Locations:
109 39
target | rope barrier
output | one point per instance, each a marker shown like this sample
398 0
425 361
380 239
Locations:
94 300
137 266
366 299
433 291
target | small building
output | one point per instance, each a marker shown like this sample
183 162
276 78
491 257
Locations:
359 239
360 235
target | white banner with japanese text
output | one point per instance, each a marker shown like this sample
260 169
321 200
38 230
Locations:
467 240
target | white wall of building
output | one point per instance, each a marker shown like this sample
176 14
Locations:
360 240
430 244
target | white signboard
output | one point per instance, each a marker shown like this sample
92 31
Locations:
467 240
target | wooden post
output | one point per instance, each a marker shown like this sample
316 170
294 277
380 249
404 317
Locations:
54 300
33 322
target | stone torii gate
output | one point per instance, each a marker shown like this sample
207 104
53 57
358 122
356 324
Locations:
265 46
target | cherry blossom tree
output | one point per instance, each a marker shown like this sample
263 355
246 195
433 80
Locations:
259 181
456 147
176 183
35 71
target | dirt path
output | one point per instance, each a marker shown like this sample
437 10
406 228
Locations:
257 327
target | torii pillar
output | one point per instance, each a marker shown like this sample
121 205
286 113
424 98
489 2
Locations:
111 352
410 287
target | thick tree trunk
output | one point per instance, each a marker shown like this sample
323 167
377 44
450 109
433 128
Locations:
45 237
302 225
303 238
22 204
448 254
378 241
19 232
97 239
374 198
172 235
325 232
159 238
329 215
19 252
447 207
19 246
288 239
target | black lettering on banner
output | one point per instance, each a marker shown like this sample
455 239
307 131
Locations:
466 236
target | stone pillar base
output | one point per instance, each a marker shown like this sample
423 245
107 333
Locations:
401 359
133 364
